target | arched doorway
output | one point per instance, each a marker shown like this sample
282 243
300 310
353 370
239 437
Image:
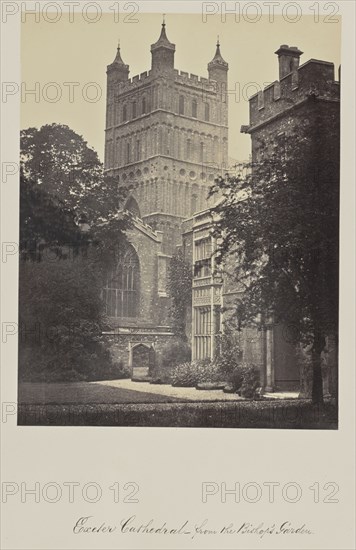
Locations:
143 360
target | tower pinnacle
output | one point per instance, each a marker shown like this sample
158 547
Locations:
163 51
118 66
217 68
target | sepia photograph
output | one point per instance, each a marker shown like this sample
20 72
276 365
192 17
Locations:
179 220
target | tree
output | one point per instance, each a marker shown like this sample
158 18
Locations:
45 222
63 190
278 224
72 178
60 160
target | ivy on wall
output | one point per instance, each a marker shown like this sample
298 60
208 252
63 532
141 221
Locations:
180 289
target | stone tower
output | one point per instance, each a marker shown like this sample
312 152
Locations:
166 137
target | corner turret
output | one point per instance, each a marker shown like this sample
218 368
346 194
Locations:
163 53
218 68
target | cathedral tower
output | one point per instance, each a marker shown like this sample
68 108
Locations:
166 137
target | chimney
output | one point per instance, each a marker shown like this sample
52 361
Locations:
288 58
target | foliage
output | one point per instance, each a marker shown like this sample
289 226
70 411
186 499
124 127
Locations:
250 380
278 229
245 379
229 351
175 351
180 289
69 220
236 378
44 219
190 374
69 176
60 315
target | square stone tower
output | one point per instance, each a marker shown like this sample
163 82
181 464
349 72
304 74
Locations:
166 137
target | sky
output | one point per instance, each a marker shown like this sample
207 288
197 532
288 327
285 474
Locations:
53 54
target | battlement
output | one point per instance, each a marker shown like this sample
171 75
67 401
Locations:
182 77
194 80
313 78
135 81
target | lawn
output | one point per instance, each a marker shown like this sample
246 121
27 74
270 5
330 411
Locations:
80 393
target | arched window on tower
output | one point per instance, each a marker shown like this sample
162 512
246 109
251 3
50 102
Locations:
121 292
132 206
124 113
201 152
207 112
138 150
128 152
194 108
144 105
194 204
181 105
189 148
134 109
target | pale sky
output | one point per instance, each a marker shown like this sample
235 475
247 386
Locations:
79 52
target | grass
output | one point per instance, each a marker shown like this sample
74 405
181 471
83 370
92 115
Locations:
81 393
284 414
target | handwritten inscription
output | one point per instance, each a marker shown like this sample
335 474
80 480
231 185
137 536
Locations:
133 526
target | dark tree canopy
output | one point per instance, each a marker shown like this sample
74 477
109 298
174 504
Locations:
70 178
279 232
71 232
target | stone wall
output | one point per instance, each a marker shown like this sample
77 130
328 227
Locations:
120 344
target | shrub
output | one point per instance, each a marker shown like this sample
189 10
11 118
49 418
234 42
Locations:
63 341
250 382
229 354
245 379
236 378
176 351
190 374
184 375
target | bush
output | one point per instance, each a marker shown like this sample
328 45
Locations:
245 379
60 315
236 379
229 354
189 375
250 382
44 364
176 351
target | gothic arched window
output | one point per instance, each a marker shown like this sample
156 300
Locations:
201 152
144 106
134 109
138 149
132 206
122 289
124 113
194 203
207 112
181 105
194 108
189 148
